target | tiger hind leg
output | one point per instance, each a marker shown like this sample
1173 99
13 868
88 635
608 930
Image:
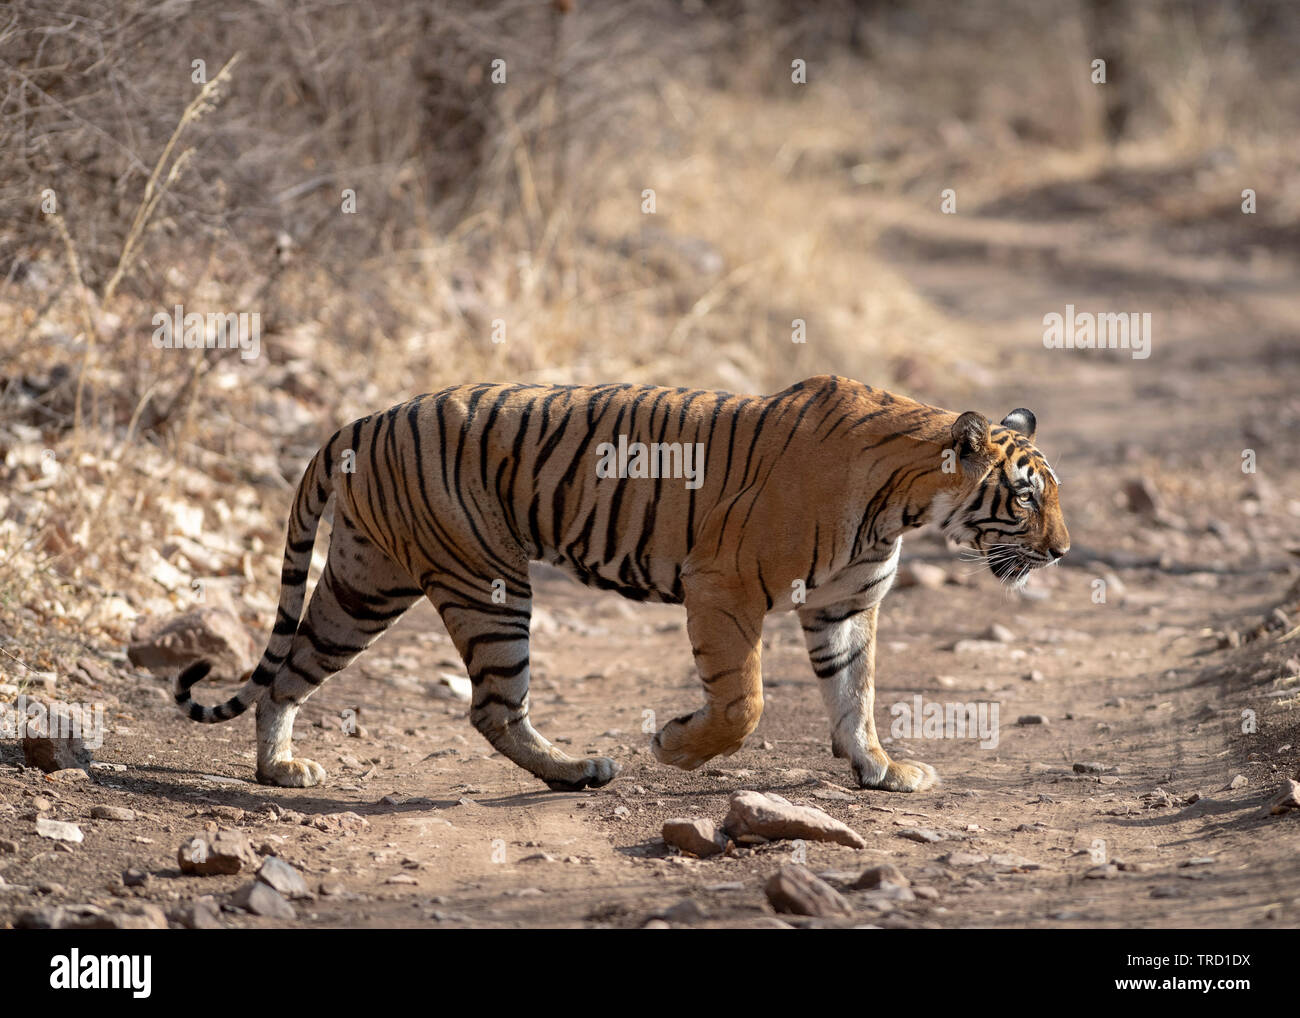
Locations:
493 642
360 594
726 630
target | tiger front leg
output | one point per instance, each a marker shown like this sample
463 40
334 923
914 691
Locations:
726 629
841 642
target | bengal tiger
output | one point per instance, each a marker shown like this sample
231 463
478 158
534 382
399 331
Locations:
796 501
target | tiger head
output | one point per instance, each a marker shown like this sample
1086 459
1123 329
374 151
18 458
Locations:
1005 510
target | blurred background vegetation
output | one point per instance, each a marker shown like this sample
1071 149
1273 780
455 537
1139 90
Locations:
521 202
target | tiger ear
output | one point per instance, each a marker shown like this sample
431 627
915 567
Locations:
970 436
1023 421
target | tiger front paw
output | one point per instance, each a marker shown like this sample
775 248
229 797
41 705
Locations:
898 776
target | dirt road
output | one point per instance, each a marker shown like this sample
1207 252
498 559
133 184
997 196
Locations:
1186 725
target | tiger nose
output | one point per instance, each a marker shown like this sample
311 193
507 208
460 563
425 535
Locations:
1058 553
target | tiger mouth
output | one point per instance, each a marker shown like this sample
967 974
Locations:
1012 564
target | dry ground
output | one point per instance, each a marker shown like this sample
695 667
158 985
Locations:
1140 683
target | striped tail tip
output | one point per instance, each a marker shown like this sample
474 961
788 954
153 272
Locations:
186 680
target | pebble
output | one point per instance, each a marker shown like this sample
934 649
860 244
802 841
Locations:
278 874
264 900
795 891
685 911
134 878
876 876
58 830
112 813
139 916
698 837
222 852
1287 799
1032 719
964 858
1090 768
198 914
769 816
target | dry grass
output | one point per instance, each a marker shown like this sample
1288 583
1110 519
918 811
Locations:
518 204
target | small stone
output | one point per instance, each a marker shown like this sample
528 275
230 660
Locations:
8 847
345 822
401 878
1103 872
699 838
1032 719
1286 800
685 911
119 813
999 632
68 776
55 741
41 804
793 890
58 830
134 878
655 924
1035 676
1090 768
222 852
964 858
877 876
767 815
278 874
1011 861
137 916
927 835
198 914
264 900
1240 781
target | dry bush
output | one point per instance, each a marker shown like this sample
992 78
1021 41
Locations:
518 203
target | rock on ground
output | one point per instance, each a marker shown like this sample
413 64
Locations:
211 634
698 837
137 916
1287 798
51 742
199 914
793 890
264 900
284 878
224 852
877 876
771 817
58 830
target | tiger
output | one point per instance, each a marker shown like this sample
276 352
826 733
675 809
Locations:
796 501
